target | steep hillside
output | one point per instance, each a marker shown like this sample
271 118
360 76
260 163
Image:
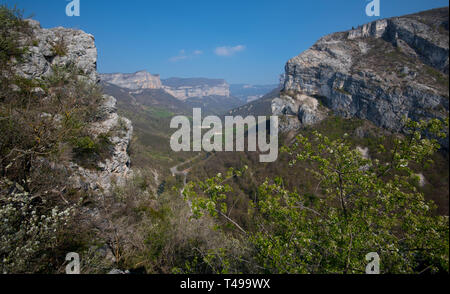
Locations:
63 147
215 105
261 106
58 54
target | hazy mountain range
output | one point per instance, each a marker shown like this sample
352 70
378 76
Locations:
213 95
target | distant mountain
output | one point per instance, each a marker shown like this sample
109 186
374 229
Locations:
137 80
185 88
162 99
180 88
192 82
248 93
259 107
147 97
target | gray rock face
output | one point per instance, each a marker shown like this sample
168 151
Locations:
382 71
79 50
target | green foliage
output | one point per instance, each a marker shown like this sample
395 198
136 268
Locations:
59 47
88 151
158 112
215 190
85 145
368 206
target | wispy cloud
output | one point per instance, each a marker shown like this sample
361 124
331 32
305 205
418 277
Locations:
228 50
182 55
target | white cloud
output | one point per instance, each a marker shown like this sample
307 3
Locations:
228 50
182 55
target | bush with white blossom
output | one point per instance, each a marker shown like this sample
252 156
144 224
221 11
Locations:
27 230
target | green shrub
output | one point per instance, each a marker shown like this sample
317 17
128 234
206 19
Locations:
11 27
59 47
85 145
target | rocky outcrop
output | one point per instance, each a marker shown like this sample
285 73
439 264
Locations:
78 48
58 47
305 108
135 81
382 71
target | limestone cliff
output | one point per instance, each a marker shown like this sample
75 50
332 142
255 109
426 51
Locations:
382 71
135 81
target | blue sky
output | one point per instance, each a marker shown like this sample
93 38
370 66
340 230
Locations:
242 41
